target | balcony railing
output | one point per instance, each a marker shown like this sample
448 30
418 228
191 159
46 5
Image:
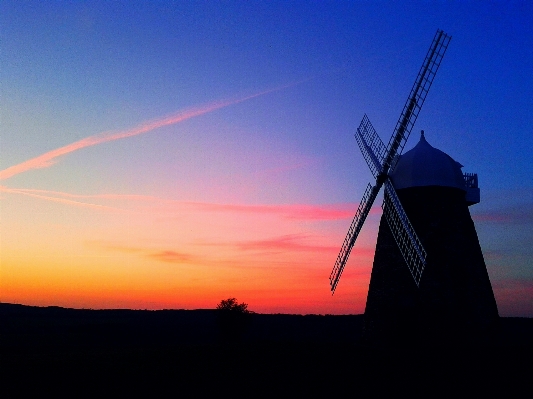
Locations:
470 180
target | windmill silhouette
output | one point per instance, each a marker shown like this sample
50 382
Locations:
429 277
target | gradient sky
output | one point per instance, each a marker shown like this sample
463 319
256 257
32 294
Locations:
172 154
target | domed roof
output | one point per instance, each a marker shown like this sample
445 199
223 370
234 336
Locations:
424 165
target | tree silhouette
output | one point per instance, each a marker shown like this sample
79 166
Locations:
233 318
231 305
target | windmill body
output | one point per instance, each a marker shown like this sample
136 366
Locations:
429 278
454 299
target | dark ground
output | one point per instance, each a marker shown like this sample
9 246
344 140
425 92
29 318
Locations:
184 353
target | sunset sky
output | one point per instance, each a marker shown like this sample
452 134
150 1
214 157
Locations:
159 154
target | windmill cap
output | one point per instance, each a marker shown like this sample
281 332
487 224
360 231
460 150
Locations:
425 165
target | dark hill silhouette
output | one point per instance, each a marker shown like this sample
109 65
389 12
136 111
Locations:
181 352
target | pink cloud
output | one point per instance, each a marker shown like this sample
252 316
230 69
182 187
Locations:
95 196
290 242
292 211
289 211
113 247
493 255
171 256
163 255
29 193
514 283
514 296
49 158
516 214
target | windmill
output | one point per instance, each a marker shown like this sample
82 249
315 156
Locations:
428 271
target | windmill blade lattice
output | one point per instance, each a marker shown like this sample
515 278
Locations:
381 161
371 146
405 236
416 98
357 223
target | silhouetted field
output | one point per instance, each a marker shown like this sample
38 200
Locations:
189 353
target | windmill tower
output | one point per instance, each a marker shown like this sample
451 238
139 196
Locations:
429 278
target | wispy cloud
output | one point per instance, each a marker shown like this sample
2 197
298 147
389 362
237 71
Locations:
162 255
514 296
60 196
517 282
49 158
493 255
172 256
288 243
113 247
292 211
288 211
284 243
41 194
519 214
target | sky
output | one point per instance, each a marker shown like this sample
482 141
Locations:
168 155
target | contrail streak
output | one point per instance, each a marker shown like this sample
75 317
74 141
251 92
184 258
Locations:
49 158
29 193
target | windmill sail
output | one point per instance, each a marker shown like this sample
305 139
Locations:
410 246
371 146
360 216
416 98
405 236
373 150
381 161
